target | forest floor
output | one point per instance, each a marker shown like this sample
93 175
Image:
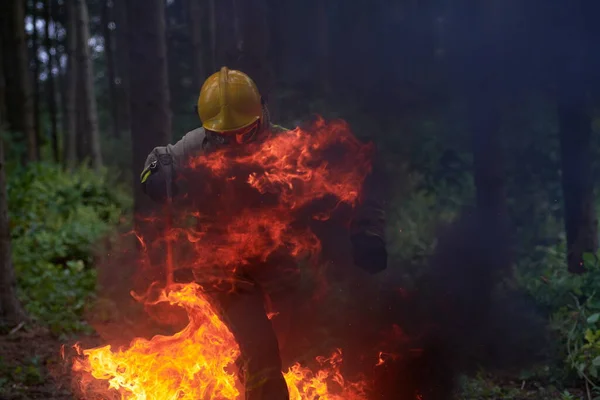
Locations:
31 367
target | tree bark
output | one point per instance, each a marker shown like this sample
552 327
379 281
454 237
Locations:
70 142
224 17
252 40
150 97
20 113
52 109
36 79
581 223
122 52
573 74
196 22
91 135
212 10
110 66
481 72
322 19
11 311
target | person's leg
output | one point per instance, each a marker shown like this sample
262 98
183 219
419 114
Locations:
243 311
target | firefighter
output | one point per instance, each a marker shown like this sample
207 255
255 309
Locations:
233 113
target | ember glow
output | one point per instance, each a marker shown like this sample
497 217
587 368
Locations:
295 168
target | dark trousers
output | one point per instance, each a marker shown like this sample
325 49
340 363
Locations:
243 311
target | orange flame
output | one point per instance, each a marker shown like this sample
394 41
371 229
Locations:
297 168
195 363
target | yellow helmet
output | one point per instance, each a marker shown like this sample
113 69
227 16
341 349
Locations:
229 101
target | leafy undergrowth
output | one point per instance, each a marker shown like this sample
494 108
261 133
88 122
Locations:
483 387
31 366
58 220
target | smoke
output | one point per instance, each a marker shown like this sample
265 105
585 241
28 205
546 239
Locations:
415 344
408 345
461 317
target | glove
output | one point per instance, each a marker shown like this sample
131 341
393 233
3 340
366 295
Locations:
155 179
369 252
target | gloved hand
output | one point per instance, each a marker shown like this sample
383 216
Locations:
369 252
155 179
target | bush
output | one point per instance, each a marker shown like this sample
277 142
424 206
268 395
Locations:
573 305
56 219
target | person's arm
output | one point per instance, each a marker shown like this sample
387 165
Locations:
369 223
162 164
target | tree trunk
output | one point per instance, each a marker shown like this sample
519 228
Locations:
11 311
223 18
71 137
252 42
480 67
575 126
122 52
110 65
212 11
36 79
91 134
277 16
82 143
322 19
196 22
20 112
52 109
150 98
581 224
488 158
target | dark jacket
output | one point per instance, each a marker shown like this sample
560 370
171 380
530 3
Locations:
164 163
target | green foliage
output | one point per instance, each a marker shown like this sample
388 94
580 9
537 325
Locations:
413 222
483 387
28 373
57 218
573 303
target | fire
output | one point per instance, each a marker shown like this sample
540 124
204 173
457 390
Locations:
301 165
192 364
292 170
195 363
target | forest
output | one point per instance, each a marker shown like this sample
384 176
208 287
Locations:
476 108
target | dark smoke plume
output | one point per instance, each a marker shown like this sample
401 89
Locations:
461 317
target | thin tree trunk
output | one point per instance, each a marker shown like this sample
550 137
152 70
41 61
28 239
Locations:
276 16
480 67
71 137
253 42
3 87
573 74
20 115
82 143
323 46
59 15
195 22
224 23
122 52
91 133
52 109
150 97
212 7
488 158
110 65
581 223
11 311
36 78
